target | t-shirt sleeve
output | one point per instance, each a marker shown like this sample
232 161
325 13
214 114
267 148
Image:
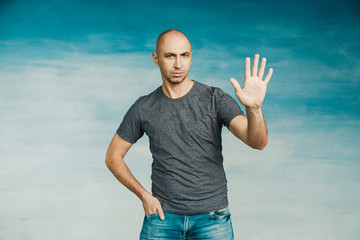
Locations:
130 128
227 107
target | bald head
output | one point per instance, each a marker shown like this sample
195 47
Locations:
169 36
173 56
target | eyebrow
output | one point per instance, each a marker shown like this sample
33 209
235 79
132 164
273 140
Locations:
175 53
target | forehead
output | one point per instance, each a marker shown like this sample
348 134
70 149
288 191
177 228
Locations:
175 43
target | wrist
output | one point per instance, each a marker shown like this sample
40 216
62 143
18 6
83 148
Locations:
253 110
144 195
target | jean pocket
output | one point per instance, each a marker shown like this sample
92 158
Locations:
152 215
220 214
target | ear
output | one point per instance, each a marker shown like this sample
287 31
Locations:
155 59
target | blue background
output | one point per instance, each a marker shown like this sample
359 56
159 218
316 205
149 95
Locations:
69 70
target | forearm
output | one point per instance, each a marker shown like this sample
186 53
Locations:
121 171
257 135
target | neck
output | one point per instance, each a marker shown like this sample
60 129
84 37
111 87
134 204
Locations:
177 90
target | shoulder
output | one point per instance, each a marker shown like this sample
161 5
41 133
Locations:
147 100
210 91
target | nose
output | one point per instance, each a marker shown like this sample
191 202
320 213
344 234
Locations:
177 63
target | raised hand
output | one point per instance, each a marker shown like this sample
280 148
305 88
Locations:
253 92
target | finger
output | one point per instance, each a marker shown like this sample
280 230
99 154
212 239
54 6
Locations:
150 210
262 68
247 67
268 76
255 65
235 84
161 213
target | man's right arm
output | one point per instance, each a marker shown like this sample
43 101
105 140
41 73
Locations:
115 162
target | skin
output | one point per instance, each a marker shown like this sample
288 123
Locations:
252 129
173 57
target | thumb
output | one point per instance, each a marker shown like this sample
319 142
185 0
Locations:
235 84
161 213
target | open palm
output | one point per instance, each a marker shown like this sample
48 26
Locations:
253 92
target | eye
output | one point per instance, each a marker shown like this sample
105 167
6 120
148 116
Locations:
186 54
168 55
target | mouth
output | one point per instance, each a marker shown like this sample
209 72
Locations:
177 74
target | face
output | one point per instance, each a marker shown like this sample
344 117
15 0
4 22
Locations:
173 58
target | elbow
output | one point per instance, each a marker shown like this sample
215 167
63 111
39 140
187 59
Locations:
259 145
113 161
109 161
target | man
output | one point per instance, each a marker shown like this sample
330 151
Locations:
183 120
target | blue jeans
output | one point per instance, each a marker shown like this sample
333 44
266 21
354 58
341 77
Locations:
214 225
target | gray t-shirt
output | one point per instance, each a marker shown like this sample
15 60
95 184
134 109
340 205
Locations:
185 141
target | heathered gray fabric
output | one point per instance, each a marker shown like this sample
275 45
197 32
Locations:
185 142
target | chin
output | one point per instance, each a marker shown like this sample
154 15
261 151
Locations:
176 80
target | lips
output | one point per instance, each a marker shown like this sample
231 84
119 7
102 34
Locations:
177 74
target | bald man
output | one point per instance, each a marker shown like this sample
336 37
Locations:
183 120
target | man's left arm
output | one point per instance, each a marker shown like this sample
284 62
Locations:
252 129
